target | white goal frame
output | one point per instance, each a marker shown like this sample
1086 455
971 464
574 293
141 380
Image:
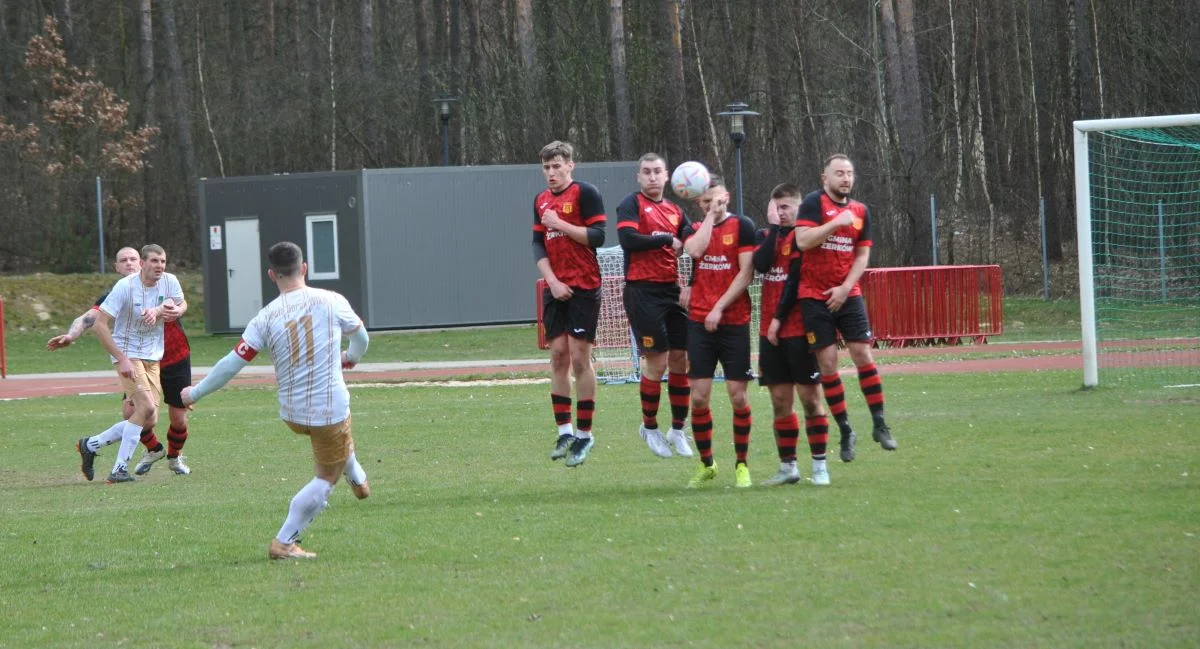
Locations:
1083 223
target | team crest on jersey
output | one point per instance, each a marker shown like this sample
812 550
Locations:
727 239
568 208
647 341
857 223
787 249
812 338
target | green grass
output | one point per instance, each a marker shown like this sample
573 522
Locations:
1018 512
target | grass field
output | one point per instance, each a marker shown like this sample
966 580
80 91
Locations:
1018 512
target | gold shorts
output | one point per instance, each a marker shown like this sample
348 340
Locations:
331 444
145 379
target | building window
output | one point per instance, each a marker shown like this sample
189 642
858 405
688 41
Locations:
322 251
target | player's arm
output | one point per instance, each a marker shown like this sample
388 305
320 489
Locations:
698 242
764 253
359 341
78 326
591 209
810 232
628 234
791 288
736 288
102 330
221 373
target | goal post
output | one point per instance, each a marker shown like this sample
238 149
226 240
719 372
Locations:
1137 209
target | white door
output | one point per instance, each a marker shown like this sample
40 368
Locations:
244 269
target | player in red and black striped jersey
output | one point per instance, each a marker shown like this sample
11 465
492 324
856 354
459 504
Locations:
568 226
651 230
175 372
834 231
785 364
721 246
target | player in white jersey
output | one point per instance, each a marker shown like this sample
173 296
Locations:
302 329
129 325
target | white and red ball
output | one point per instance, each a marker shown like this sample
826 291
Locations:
690 179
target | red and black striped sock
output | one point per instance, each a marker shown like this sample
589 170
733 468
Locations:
150 440
817 429
702 432
562 409
741 433
583 415
679 391
787 432
651 391
175 441
835 396
872 388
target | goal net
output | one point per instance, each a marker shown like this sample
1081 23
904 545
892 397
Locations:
615 353
1137 191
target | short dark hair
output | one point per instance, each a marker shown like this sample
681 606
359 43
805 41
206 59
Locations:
285 258
651 157
785 190
715 180
837 156
558 148
152 247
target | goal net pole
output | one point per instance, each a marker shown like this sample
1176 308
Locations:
1083 222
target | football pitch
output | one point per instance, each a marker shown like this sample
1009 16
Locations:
1018 512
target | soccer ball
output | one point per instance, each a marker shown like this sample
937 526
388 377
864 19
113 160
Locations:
690 179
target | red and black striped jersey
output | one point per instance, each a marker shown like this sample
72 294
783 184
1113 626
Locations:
828 264
714 272
573 263
175 343
660 219
773 282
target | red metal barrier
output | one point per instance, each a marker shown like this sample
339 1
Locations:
934 304
3 358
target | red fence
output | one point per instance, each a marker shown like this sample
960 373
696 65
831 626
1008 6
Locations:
934 304
921 305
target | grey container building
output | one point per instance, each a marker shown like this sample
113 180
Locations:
409 248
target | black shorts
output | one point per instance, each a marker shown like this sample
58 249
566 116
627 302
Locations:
576 317
173 379
823 325
659 323
729 345
790 361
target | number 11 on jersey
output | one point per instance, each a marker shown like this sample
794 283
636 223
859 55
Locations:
293 332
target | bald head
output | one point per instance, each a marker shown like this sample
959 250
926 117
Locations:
128 261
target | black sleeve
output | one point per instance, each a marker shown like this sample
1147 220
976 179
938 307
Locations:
591 208
635 241
864 236
746 232
595 235
539 246
764 254
809 215
100 301
790 288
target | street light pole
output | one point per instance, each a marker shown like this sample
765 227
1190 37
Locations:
444 103
737 112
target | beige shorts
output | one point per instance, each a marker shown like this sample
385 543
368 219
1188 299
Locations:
145 379
331 444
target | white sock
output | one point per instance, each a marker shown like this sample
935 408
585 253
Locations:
565 429
354 471
306 504
100 440
583 434
131 435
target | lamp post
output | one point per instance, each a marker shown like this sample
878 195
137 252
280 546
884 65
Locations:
444 103
737 112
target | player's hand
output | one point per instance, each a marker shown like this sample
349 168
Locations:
676 246
551 219
845 218
773 331
773 212
347 364
836 297
185 395
685 296
560 291
713 319
150 316
125 368
718 207
171 311
58 342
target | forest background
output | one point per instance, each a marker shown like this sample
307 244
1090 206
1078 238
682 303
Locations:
965 102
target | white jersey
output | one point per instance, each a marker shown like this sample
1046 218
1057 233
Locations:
303 330
126 301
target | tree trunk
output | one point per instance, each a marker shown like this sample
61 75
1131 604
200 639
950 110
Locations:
534 117
268 38
149 96
616 23
672 104
182 103
370 83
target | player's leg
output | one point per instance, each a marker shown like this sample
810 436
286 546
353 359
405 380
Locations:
822 340
702 355
774 374
816 428
679 388
144 390
733 349
354 473
555 318
584 309
645 308
172 379
329 457
856 330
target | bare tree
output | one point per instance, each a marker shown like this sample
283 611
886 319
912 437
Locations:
624 125
182 101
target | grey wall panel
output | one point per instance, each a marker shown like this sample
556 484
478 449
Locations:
451 246
281 204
